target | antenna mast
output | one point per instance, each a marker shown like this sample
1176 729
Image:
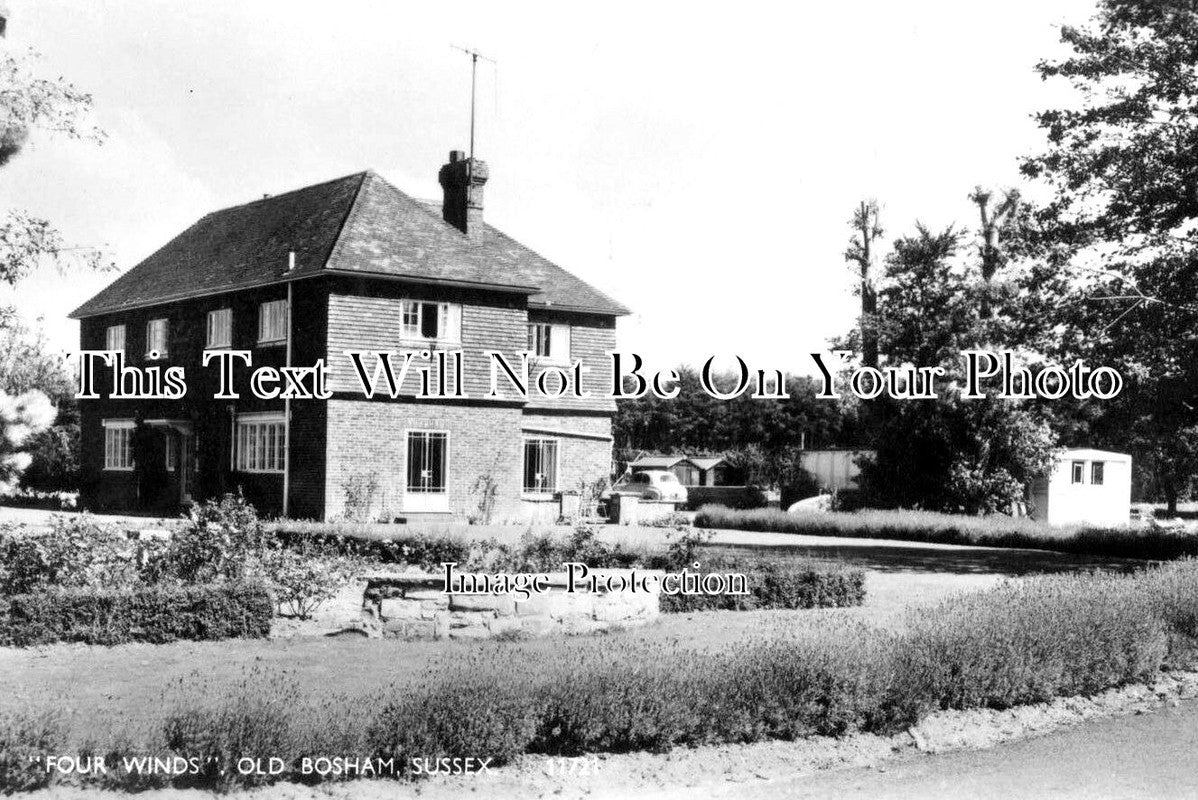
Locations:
474 57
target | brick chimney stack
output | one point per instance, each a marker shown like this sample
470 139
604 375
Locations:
462 180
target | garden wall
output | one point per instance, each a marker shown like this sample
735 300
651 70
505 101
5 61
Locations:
413 606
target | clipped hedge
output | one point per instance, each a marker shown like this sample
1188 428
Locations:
155 614
727 496
776 585
991 531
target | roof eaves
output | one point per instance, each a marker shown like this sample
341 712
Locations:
615 309
427 281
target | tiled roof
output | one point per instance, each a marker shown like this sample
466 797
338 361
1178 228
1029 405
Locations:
358 224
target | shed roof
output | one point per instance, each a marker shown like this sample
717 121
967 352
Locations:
1090 454
655 462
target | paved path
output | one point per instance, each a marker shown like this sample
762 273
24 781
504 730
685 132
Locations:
1152 755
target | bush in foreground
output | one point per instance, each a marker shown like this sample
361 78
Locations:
153 614
990 531
25 737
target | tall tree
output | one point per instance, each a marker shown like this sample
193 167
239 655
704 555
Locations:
1123 164
862 254
29 104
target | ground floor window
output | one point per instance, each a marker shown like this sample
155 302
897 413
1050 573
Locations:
540 465
118 444
261 444
427 472
428 459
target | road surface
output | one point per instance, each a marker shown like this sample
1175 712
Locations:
1153 755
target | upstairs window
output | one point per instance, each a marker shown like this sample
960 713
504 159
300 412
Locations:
118 444
156 339
1097 468
220 328
423 321
272 322
114 339
1079 472
551 342
540 466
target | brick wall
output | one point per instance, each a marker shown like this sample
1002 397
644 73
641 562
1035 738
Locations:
592 337
368 438
365 316
584 443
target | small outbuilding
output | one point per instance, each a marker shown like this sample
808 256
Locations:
691 470
1085 486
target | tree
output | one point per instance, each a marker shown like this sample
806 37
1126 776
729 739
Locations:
1120 242
927 316
867 230
29 103
27 365
954 455
937 299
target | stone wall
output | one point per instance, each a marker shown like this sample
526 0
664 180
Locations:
413 606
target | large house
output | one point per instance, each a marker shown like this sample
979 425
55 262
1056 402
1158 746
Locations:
353 264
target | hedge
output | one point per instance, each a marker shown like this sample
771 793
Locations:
787 584
155 614
991 531
727 496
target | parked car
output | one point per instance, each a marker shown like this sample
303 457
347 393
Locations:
652 484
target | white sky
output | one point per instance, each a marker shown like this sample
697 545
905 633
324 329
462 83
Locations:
698 162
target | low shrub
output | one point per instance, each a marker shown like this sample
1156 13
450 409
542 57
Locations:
990 531
725 496
467 716
301 581
266 716
1031 641
536 551
221 541
776 585
26 737
153 614
74 552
